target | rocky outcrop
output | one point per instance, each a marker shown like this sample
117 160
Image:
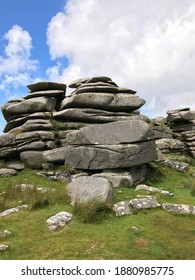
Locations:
181 119
182 122
188 138
164 136
29 130
97 127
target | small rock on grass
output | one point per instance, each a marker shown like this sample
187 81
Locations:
3 247
5 233
59 220
7 172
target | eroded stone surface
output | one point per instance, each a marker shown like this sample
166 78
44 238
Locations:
122 208
110 156
152 189
12 210
59 220
114 133
144 203
179 208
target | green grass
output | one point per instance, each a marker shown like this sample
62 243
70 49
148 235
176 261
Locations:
160 235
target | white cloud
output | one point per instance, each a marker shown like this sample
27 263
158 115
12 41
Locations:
146 45
16 63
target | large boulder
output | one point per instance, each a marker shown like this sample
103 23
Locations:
7 104
54 156
86 189
95 115
37 104
46 86
114 102
111 133
32 159
97 157
7 172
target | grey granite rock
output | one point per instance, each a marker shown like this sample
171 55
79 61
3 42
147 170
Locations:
110 156
7 172
86 188
59 220
120 132
123 102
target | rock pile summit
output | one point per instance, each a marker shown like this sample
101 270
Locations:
97 127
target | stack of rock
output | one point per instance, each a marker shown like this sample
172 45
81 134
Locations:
97 127
189 140
182 123
28 122
164 137
181 120
112 133
99 100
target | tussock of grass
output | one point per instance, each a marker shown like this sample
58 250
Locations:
94 211
190 184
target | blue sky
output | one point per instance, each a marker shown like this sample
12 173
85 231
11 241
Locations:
146 45
33 16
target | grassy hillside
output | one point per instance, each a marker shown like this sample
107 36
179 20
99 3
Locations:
147 234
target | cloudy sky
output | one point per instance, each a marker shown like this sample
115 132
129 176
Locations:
145 45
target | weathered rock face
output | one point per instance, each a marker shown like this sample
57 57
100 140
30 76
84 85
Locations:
88 115
7 172
167 145
109 101
112 145
110 156
32 159
112 133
